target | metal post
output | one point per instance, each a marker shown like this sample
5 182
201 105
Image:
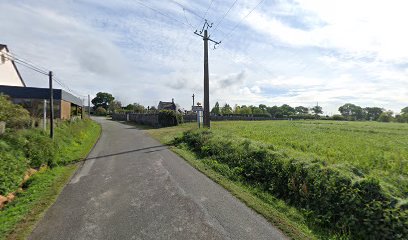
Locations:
193 99
45 115
89 105
51 106
206 83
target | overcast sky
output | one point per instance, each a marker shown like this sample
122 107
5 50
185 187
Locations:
294 52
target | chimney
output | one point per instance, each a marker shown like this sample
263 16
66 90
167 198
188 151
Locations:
172 100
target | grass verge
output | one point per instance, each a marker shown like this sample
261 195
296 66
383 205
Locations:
19 217
286 218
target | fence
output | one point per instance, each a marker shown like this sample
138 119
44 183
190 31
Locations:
151 119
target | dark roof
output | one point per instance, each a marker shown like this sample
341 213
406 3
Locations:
38 93
14 64
166 106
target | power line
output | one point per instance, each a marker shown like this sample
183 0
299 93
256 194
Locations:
236 25
225 14
38 69
188 9
208 8
161 13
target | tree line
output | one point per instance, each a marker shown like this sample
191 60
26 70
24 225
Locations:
348 111
105 103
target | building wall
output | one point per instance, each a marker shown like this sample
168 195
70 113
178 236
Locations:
8 74
65 110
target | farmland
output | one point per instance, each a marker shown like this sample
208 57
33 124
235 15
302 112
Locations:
346 177
371 148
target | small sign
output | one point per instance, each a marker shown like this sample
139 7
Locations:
197 108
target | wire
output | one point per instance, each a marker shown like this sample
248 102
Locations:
236 25
188 9
38 69
225 14
184 12
208 8
161 13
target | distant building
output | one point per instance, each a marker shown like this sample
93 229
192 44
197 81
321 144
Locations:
66 105
170 106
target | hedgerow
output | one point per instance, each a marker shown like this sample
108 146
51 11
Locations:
331 196
169 118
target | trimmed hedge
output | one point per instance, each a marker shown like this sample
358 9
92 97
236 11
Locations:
169 118
330 196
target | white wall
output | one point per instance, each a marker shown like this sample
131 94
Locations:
8 74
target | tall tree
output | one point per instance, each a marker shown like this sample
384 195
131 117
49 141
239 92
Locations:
287 110
301 110
262 107
135 107
372 113
317 110
216 109
246 110
227 109
102 99
351 111
404 110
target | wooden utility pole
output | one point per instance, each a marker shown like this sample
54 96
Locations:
206 38
51 106
193 98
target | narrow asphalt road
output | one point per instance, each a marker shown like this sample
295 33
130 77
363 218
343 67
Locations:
132 187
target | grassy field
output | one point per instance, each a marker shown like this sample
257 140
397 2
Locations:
376 149
366 153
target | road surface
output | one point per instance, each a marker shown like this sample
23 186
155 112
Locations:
132 187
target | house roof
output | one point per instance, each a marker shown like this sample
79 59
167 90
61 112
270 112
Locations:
3 46
38 93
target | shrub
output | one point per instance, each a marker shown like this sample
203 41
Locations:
100 111
12 168
170 118
39 149
14 115
332 197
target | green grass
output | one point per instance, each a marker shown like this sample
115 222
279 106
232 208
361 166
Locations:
366 149
73 141
19 217
376 149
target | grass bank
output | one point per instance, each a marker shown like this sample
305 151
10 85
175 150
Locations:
291 169
32 148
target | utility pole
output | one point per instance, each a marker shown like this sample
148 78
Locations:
89 106
193 99
51 106
206 38
45 115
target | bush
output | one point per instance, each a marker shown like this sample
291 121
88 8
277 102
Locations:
14 115
169 118
12 168
332 196
100 111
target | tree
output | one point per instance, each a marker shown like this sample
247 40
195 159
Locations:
386 116
216 109
100 111
404 110
237 109
246 110
372 113
115 106
262 107
351 111
317 110
102 99
226 110
136 108
302 110
287 110
275 111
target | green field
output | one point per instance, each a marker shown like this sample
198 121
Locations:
375 149
346 179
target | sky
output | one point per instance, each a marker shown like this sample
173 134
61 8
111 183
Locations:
273 52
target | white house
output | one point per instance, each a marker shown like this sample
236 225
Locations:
9 74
